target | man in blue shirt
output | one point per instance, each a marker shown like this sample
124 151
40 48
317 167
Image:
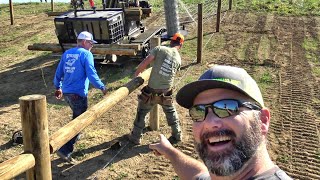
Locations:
74 72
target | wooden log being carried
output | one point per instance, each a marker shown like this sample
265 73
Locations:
126 49
67 132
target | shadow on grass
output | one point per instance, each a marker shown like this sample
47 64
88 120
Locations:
114 151
35 76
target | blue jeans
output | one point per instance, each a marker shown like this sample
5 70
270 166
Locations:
78 106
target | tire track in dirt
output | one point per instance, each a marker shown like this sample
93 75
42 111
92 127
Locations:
187 146
253 44
311 30
296 127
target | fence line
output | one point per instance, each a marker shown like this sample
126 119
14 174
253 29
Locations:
178 81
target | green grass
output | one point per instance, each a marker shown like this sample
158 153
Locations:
316 71
56 106
21 9
284 7
283 159
318 154
264 80
188 79
125 79
264 48
311 52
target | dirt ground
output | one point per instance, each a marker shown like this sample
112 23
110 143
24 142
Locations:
261 43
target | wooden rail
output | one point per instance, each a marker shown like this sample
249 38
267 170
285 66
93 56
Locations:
17 165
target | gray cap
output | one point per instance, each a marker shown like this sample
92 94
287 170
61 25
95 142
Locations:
218 76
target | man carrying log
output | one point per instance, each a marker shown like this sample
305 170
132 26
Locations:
166 61
74 72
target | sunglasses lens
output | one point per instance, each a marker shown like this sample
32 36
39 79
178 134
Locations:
222 109
198 113
225 108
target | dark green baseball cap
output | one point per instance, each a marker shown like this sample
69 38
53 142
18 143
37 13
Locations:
219 76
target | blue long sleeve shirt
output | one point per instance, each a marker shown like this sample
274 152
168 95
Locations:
75 71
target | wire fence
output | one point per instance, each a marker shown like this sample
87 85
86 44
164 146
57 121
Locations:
189 14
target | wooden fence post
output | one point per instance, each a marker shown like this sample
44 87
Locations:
218 16
33 109
11 12
154 113
52 6
200 34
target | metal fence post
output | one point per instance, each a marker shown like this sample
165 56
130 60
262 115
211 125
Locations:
218 16
200 34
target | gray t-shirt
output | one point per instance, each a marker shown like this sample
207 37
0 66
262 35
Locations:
272 174
167 62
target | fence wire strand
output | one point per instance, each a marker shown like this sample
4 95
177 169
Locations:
209 12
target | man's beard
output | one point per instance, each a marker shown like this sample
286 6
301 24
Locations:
230 161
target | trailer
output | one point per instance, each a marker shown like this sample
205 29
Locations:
117 27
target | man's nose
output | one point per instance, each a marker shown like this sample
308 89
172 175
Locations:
212 121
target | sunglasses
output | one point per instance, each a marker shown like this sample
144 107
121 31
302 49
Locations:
90 42
222 108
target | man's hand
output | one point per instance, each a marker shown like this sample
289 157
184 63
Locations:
164 147
137 74
104 91
58 93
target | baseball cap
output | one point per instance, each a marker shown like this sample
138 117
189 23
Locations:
178 37
218 76
86 36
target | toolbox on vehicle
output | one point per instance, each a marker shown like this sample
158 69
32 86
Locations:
106 26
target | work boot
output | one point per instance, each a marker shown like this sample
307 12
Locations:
135 136
175 138
65 158
134 140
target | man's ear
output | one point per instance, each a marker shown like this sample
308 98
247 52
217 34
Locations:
83 43
265 119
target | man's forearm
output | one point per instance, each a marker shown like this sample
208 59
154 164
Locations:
185 166
144 64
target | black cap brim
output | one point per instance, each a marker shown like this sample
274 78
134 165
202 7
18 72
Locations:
188 93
